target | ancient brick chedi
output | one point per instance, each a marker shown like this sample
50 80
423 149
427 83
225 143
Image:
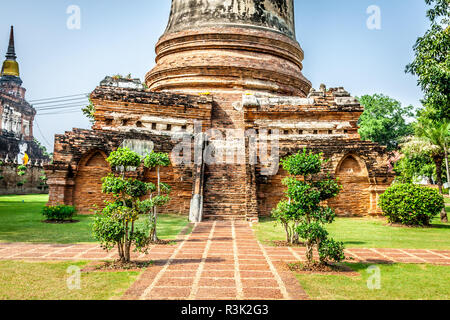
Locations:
227 98
16 114
16 132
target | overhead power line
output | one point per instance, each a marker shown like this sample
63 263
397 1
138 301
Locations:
57 113
62 97
60 101
49 145
62 106
76 108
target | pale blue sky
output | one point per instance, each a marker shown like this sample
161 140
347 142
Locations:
119 37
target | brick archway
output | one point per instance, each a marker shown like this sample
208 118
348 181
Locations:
88 185
354 200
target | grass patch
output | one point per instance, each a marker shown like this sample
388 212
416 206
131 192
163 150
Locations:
48 281
369 233
398 282
170 226
21 221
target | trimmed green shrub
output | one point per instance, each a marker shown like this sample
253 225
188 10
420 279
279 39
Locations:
411 204
303 213
58 213
115 225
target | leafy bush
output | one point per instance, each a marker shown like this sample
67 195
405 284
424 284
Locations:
124 158
112 228
302 213
116 225
58 213
411 204
155 159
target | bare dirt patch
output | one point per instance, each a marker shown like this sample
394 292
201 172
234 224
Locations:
284 244
323 269
164 242
117 266
399 225
60 221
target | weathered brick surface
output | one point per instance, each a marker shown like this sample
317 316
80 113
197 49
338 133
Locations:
361 166
120 109
80 163
33 185
232 58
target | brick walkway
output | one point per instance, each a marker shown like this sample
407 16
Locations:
218 260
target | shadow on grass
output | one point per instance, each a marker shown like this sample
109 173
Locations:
363 266
354 242
440 226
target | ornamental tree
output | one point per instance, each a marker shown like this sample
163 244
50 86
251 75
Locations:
161 197
384 120
432 62
302 212
433 139
116 225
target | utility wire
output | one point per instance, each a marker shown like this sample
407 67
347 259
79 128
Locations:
49 145
57 114
59 110
56 98
74 109
60 101
61 106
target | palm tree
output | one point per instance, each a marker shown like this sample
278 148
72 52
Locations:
433 139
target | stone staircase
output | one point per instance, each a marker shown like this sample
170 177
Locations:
224 197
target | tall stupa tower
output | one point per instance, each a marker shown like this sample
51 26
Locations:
227 49
230 46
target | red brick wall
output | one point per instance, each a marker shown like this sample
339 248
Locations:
181 189
88 185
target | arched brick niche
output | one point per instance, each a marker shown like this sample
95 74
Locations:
88 185
354 199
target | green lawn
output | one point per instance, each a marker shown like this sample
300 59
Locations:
48 281
21 221
370 233
398 282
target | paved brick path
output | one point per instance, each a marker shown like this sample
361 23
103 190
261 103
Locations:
218 260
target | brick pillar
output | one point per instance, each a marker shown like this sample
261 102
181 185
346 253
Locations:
375 192
60 187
